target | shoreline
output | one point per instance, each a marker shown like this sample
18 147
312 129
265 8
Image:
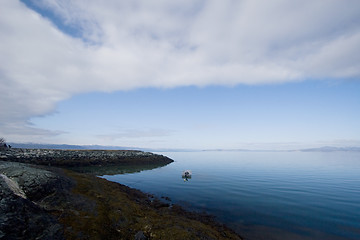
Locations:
83 206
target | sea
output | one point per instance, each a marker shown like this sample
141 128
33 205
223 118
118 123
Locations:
263 195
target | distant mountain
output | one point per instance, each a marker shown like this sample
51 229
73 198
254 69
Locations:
44 146
69 147
226 150
332 149
101 147
94 147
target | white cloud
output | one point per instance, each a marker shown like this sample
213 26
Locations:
131 44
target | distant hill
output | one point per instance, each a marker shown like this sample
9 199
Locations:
94 147
101 147
69 147
332 149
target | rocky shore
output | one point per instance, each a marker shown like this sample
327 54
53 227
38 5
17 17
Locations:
47 202
22 190
80 158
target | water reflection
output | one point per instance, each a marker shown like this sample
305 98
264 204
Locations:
116 169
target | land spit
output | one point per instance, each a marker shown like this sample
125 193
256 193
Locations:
82 158
47 202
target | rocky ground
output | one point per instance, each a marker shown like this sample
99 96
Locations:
22 188
42 202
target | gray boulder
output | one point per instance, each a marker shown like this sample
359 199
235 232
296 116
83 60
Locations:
20 216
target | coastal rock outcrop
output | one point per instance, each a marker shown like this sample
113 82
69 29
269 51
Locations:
78 158
20 217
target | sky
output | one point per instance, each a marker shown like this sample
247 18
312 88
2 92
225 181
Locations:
197 74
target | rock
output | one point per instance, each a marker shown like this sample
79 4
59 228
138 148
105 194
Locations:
166 198
20 218
157 204
13 186
140 236
35 183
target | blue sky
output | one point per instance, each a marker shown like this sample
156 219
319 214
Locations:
181 74
292 114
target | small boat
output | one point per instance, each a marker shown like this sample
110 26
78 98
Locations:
186 174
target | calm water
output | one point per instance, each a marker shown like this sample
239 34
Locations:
267 195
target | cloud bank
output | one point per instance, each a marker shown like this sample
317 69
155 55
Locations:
70 47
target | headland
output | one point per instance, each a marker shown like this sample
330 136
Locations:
82 158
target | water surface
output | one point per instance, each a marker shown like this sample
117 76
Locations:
264 195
